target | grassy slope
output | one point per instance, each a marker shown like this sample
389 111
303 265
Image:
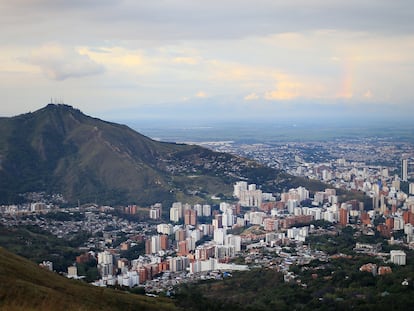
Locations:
25 286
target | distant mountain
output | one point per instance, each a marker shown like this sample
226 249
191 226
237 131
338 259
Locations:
26 286
58 149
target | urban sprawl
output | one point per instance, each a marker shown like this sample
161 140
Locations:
188 242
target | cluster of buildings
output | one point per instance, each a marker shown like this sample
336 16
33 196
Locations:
188 247
397 257
200 239
23 209
248 195
188 213
358 163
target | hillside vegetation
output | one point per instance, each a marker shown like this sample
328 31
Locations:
25 286
58 149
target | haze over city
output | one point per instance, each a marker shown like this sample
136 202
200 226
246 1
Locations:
221 60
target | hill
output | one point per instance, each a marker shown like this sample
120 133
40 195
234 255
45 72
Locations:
26 286
58 149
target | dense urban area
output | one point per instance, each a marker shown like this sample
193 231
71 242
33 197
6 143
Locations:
154 249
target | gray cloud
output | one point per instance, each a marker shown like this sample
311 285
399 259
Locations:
58 63
182 20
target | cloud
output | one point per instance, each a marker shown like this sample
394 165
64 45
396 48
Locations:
201 94
58 63
368 94
115 56
184 20
283 91
231 71
286 89
252 96
186 60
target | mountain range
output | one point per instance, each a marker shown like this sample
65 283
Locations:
58 149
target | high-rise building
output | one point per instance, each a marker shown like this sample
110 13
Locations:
175 214
291 203
143 275
303 193
190 217
217 221
411 189
224 251
255 218
176 211
248 195
199 209
182 248
219 235
404 169
228 219
105 263
105 258
204 252
165 229
319 197
398 257
180 235
239 187
343 216
155 213
234 240
164 241
155 244
178 263
148 247
207 210
191 243
207 229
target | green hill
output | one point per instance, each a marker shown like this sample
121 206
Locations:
58 149
26 286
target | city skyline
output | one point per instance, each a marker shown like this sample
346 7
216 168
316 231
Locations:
227 60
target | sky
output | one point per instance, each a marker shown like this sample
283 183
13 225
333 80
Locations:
210 60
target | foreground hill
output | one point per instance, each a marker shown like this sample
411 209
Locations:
25 286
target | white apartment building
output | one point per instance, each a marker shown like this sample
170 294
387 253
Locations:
398 257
